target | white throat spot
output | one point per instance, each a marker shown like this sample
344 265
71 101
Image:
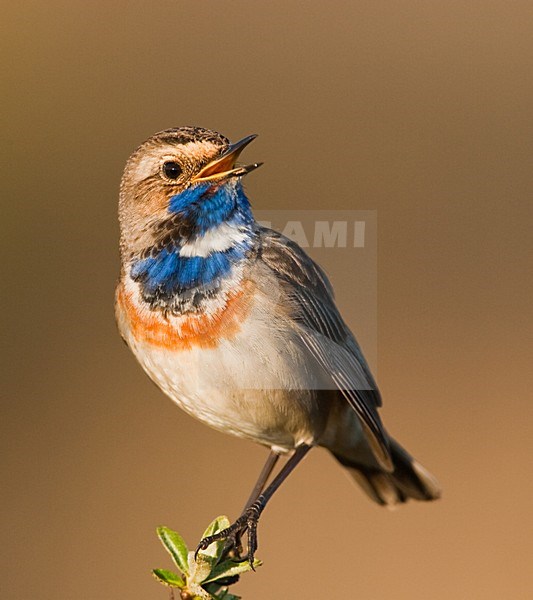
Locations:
219 239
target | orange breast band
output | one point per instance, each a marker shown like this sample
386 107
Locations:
182 333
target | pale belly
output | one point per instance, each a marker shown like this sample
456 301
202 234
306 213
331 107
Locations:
261 384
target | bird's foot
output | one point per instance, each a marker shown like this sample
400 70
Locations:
245 524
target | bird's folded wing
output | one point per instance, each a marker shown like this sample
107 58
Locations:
325 334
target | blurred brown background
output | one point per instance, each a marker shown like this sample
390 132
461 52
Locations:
419 110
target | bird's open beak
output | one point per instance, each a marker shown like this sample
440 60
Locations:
224 166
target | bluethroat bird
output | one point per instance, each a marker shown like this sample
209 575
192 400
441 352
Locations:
238 325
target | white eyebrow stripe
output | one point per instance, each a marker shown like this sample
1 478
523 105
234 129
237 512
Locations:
145 168
218 239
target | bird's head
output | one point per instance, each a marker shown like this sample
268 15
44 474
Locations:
178 185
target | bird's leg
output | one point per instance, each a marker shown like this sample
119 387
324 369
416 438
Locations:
267 469
233 544
247 522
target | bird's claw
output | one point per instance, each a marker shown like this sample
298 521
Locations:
246 523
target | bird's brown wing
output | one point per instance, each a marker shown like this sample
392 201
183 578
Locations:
325 334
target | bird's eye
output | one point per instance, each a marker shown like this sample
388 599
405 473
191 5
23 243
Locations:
171 169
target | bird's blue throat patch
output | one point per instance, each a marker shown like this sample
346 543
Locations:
205 206
164 274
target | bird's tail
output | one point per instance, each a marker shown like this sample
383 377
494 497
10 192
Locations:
408 480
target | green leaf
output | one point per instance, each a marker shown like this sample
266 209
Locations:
216 525
168 578
222 594
214 551
176 547
229 568
201 568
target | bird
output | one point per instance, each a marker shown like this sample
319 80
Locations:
239 327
